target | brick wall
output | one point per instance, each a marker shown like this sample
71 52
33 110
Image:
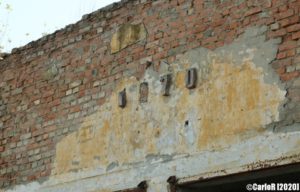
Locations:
48 86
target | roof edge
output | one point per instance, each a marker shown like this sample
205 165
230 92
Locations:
68 28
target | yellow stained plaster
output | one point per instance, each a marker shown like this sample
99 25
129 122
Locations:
126 35
232 104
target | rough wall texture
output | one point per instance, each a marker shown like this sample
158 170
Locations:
61 128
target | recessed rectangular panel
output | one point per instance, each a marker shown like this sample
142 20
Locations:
191 78
122 98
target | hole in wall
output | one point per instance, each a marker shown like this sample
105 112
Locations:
157 133
186 123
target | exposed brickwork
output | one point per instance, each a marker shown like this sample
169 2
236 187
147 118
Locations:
48 86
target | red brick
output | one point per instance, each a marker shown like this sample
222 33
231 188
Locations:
296 35
55 102
283 8
31 177
289 76
290 52
278 33
284 22
288 45
8 75
281 55
297 59
225 12
253 11
281 70
285 14
294 20
48 93
293 28
75 109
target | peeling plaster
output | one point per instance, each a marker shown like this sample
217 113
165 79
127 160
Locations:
221 123
233 101
269 148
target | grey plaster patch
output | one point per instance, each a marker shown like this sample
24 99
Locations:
251 46
161 158
152 77
164 68
51 72
199 58
289 128
111 166
53 68
189 132
133 88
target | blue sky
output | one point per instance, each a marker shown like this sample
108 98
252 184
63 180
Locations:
30 19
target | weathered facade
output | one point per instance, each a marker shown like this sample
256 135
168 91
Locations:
142 91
